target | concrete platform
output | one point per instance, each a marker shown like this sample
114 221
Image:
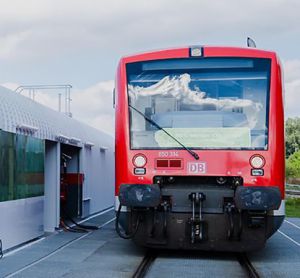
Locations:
102 253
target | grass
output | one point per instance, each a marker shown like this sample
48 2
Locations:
292 207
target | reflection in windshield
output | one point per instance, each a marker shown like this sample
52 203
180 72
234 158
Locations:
223 106
178 87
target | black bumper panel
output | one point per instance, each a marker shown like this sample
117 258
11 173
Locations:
257 197
139 195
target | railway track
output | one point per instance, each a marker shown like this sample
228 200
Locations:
247 265
145 265
154 264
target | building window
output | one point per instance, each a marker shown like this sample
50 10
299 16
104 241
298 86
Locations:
22 166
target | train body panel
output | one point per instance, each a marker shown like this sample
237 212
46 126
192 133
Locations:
225 107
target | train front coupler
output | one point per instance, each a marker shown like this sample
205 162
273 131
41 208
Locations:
197 222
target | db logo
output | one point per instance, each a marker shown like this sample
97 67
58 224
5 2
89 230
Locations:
197 167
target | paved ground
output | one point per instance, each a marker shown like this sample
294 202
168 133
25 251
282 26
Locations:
102 253
196 265
281 256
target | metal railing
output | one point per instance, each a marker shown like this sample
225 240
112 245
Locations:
293 190
33 89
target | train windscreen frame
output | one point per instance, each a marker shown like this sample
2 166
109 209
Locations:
205 103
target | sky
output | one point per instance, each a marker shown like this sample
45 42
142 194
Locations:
80 42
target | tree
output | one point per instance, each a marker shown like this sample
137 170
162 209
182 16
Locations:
292 167
292 136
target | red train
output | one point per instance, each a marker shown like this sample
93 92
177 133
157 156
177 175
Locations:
200 148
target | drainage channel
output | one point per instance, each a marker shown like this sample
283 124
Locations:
193 264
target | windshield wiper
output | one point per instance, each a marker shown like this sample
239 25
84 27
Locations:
196 156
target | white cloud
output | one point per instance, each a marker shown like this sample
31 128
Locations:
94 106
292 87
55 27
11 42
292 99
291 70
50 41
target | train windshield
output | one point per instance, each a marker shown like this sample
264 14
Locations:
205 103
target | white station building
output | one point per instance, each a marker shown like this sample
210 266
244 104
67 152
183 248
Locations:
44 156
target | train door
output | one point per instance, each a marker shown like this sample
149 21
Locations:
52 186
71 182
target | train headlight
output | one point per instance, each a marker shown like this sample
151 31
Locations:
257 161
139 160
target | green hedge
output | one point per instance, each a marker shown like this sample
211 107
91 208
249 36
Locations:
292 167
292 207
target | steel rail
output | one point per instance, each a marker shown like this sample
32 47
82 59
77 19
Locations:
145 265
247 265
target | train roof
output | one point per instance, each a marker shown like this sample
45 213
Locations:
207 51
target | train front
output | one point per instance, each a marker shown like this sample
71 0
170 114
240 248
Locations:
200 148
